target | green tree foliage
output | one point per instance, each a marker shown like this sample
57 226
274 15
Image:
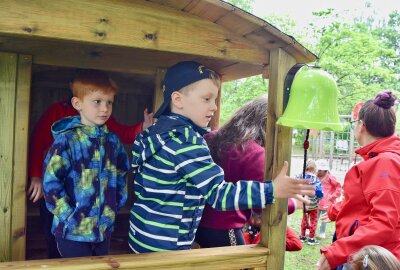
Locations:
389 33
355 57
363 57
358 56
238 92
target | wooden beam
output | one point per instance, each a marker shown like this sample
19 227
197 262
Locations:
133 24
240 70
237 257
214 124
278 150
158 91
8 78
18 223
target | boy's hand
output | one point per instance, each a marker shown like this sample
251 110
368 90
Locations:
35 190
148 119
286 187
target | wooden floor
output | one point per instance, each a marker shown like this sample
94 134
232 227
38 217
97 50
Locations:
36 246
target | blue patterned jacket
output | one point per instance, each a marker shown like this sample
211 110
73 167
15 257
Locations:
174 177
84 180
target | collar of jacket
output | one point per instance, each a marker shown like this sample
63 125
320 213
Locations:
173 121
386 144
94 131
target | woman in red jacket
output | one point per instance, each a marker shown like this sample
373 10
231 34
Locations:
370 211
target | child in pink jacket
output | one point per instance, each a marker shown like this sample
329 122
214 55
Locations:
331 189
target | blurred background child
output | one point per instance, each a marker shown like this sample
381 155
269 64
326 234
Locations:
310 216
331 189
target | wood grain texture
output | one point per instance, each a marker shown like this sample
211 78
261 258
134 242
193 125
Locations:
18 224
8 76
278 150
238 257
134 24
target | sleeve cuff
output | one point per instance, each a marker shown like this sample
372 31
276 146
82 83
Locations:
269 192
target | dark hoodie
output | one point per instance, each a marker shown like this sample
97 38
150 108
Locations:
84 180
370 212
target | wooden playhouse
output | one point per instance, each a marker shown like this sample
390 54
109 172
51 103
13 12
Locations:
43 42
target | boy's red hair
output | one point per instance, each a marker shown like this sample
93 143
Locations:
92 80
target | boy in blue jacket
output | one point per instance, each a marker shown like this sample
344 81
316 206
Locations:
84 180
175 174
310 212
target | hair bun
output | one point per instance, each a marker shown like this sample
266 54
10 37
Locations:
385 99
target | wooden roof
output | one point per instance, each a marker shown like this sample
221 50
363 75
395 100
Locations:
138 36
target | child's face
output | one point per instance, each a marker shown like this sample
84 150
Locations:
95 108
198 103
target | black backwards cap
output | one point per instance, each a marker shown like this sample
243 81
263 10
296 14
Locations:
178 76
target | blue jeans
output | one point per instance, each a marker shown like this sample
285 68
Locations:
322 227
70 249
47 220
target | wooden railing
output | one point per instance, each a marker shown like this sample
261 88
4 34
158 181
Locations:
239 257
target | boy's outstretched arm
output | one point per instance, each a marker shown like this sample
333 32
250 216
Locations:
287 187
196 165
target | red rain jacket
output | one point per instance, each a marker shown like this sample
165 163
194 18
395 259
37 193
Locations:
370 211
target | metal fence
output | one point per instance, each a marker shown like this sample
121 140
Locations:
335 146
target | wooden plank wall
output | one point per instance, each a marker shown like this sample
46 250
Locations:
126 24
278 150
15 72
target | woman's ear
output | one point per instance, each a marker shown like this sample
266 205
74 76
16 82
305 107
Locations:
176 100
362 126
76 103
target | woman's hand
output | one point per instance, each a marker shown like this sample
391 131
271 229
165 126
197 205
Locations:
35 191
286 187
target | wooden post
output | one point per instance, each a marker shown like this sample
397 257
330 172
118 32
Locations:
8 68
278 149
215 120
158 91
15 79
21 147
